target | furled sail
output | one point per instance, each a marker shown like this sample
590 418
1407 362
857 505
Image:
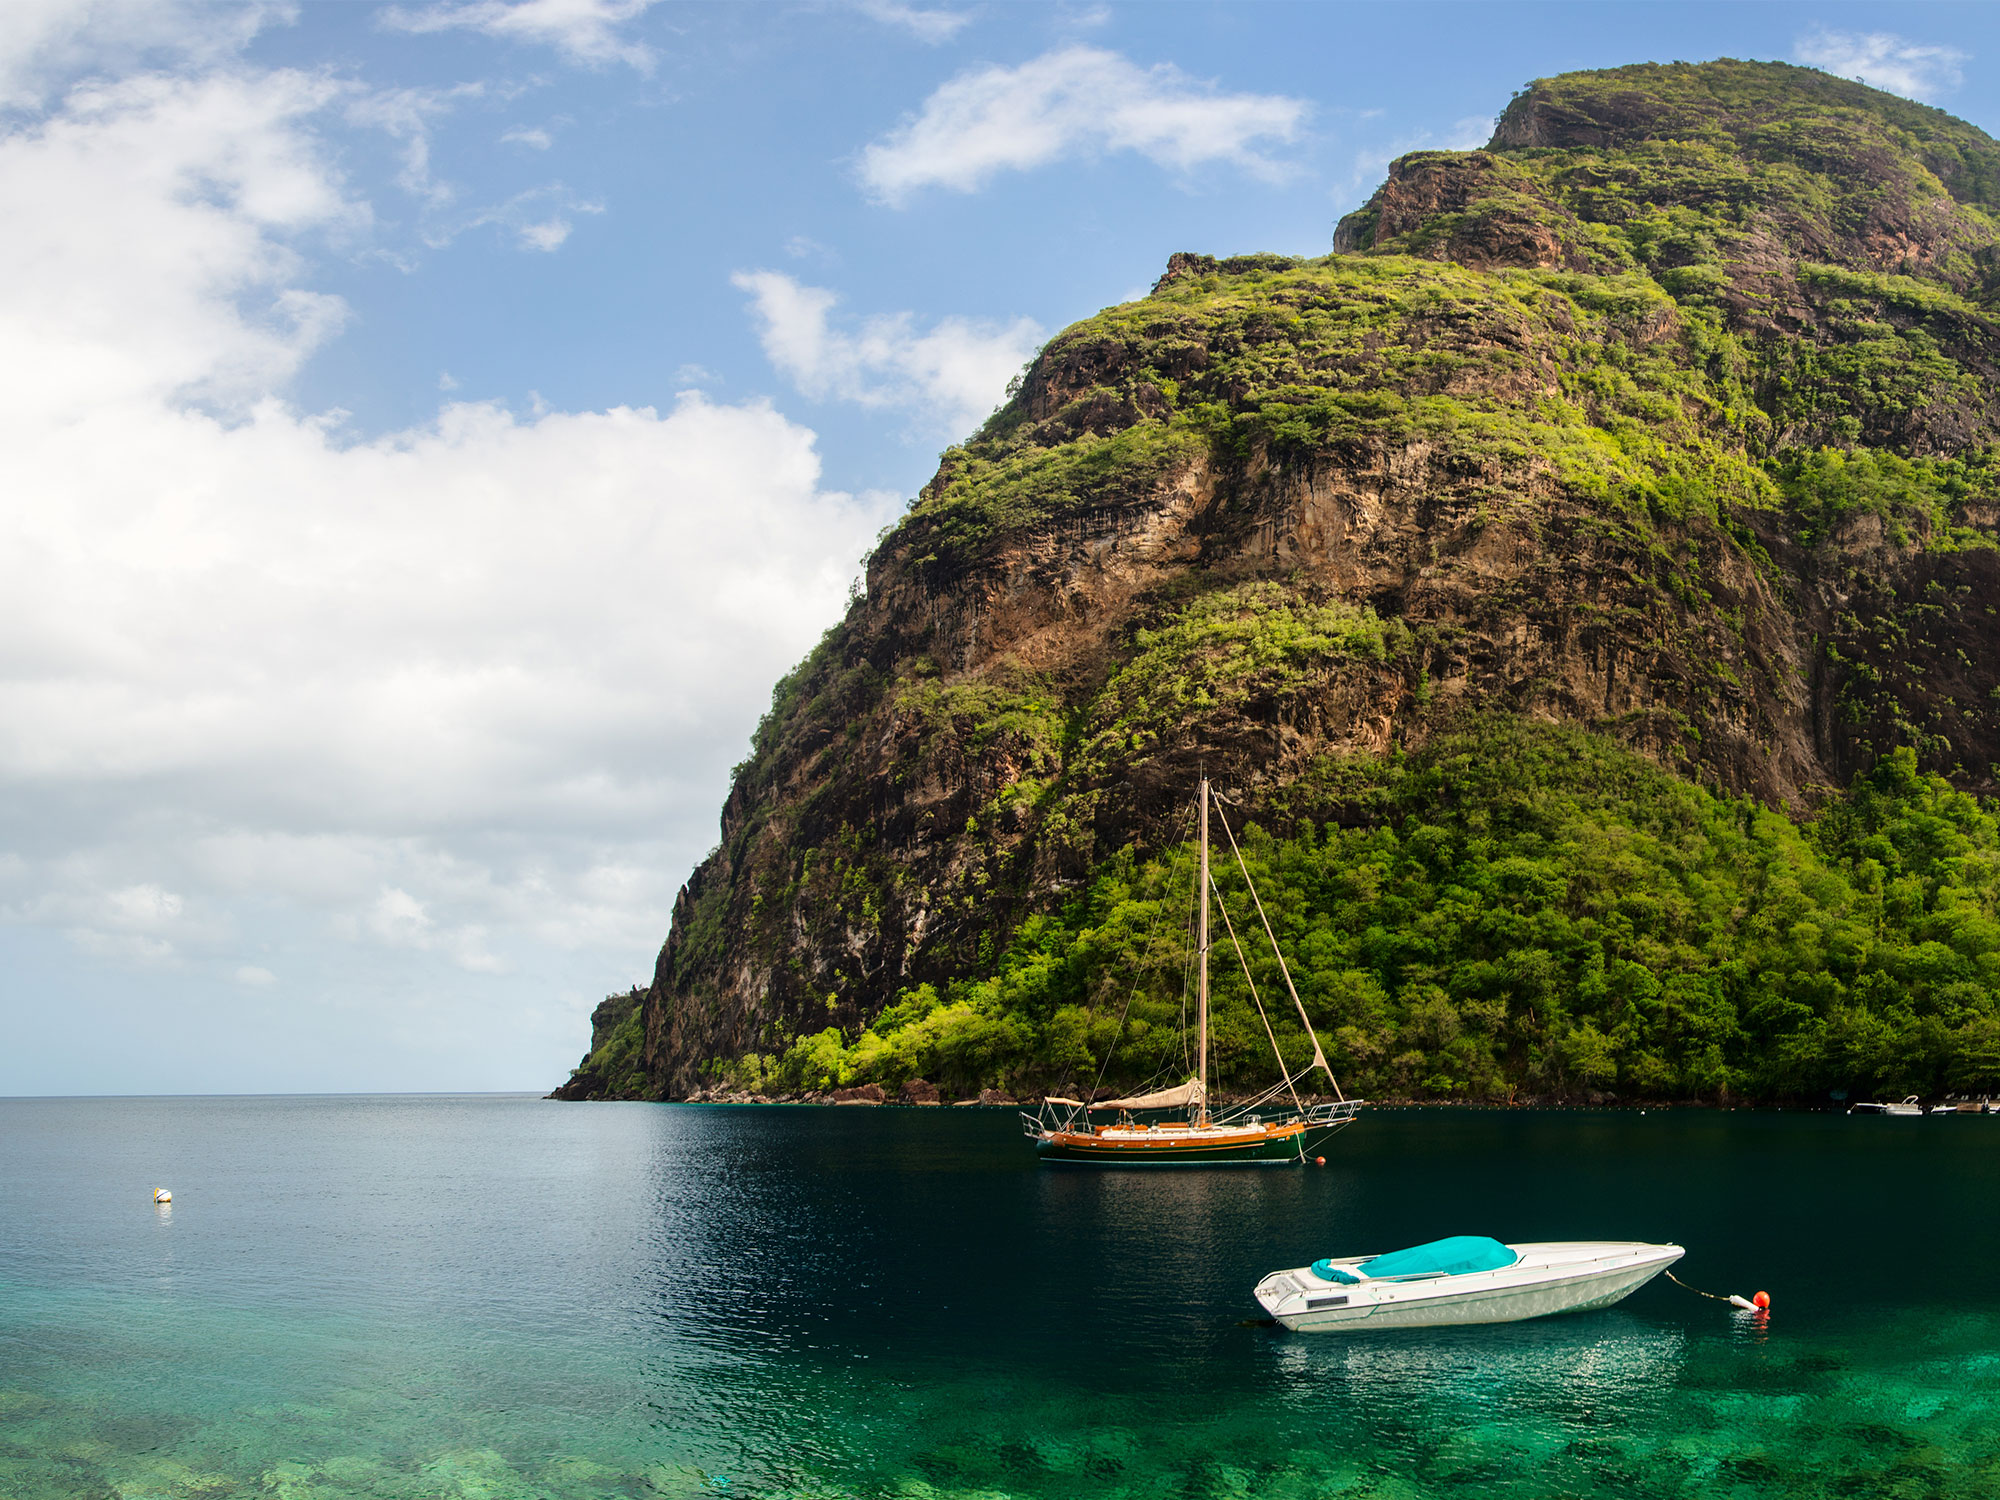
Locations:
1186 1093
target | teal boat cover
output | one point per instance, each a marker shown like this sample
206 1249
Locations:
1457 1256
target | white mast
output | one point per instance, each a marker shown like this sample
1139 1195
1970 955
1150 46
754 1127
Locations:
1201 947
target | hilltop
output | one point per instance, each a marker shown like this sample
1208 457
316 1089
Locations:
1582 580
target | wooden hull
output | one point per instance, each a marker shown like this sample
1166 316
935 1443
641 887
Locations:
1269 1145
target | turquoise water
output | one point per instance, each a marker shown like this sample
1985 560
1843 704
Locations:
498 1297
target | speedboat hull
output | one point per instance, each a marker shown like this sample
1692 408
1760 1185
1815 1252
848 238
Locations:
1550 1277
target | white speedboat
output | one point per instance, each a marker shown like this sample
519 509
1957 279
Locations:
1468 1279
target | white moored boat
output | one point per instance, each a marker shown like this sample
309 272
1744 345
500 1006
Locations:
1468 1279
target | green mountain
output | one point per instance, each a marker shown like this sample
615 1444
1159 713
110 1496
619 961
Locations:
1582 582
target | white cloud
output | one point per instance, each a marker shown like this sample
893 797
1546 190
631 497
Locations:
144 908
584 31
46 44
1883 60
954 373
932 26
466 692
529 135
545 235
1077 101
150 246
254 976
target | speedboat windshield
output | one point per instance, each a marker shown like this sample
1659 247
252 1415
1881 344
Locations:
1457 1256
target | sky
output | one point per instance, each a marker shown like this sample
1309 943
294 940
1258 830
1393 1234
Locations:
428 431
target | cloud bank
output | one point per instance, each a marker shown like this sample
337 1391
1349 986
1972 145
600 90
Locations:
1078 101
464 694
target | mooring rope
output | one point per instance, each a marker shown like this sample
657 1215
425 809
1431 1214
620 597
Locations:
1695 1289
1760 1304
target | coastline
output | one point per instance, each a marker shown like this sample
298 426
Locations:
1564 1103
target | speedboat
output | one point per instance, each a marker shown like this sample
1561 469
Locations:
1466 1279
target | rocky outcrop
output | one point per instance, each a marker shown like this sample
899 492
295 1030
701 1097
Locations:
1666 415
613 1068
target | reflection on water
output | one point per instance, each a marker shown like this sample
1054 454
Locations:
501 1298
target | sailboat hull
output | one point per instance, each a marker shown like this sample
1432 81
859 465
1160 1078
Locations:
1082 1149
1275 1144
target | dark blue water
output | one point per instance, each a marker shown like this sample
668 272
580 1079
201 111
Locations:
500 1297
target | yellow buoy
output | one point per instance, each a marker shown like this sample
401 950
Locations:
161 1195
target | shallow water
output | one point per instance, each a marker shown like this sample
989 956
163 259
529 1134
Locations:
499 1297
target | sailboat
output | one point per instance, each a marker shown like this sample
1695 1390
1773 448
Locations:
1276 1128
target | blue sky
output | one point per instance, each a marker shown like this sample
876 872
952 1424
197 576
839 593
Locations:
432 428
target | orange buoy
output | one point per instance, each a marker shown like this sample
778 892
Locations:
1319 1161
1762 1299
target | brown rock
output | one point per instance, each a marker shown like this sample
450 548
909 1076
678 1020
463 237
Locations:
994 1096
917 1091
866 1093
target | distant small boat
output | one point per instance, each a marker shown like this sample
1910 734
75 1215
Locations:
1911 1105
1466 1279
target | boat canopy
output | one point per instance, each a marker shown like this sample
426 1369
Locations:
1190 1092
1458 1256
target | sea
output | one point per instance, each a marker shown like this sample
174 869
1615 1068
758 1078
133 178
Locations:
499 1298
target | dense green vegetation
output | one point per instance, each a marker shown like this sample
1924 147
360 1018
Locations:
1516 910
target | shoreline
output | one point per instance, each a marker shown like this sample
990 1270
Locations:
1552 1103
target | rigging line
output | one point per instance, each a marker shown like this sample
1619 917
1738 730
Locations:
1279 1087
1319 1056
1243 959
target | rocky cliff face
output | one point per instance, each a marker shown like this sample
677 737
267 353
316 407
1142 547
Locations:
1667 415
